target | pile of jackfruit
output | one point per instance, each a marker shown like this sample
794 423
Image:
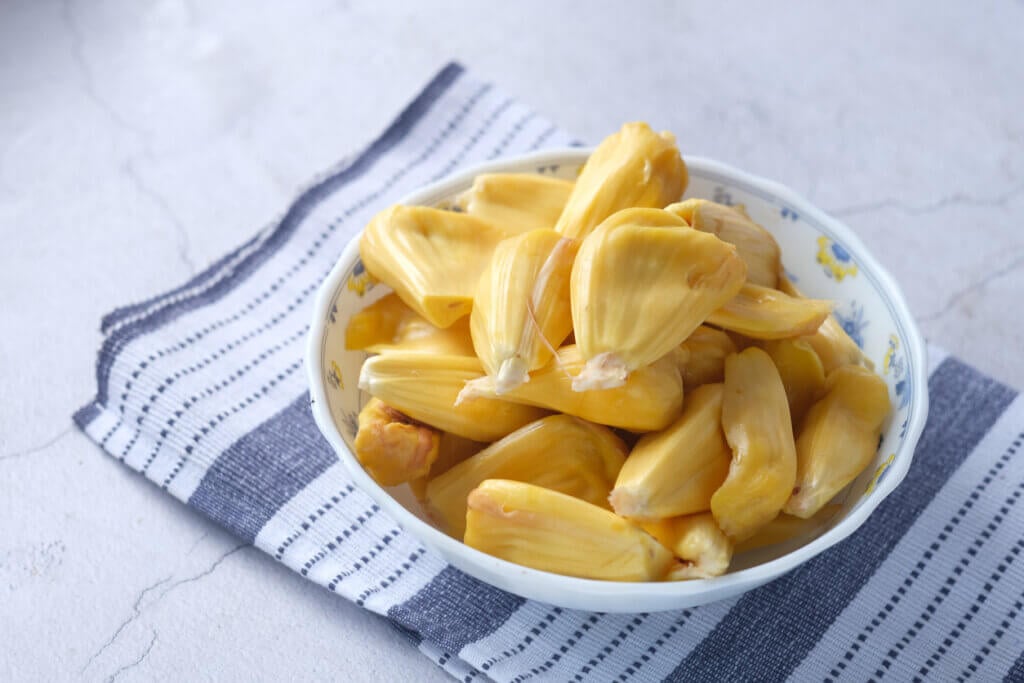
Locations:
597 379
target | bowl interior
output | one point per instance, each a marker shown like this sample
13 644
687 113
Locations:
821 261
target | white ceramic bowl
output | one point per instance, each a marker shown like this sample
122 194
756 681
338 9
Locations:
822 256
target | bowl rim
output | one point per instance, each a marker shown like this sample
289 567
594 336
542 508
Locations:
601 594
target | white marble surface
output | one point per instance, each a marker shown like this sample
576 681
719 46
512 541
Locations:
140 140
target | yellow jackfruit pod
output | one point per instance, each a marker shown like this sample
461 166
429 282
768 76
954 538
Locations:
704 549
755 418
635 167
763 313
675 471
391 447
416 334
833 345
838 438
801 372
681 357
521 311
754 244
741 341
558 452
377 323
431 258
835 348
389 325
452 450
706 350
424 387
517 202
642 282
785 527
551 531
651 398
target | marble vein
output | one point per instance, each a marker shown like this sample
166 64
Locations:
39 448
136 613
972 288
203 574
88 78
181 234
956 199
131 665
137 608
195 544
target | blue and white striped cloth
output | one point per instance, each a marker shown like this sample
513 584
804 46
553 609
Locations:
201 390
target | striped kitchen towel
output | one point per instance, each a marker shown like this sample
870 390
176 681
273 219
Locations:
202 390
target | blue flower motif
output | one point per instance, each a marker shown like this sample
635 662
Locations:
841 254
896 365
351 423
902 394
836 261
359 280
854 323
722 196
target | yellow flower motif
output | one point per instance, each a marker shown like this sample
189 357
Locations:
361 283
836 260
890 353
878 473
335 377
